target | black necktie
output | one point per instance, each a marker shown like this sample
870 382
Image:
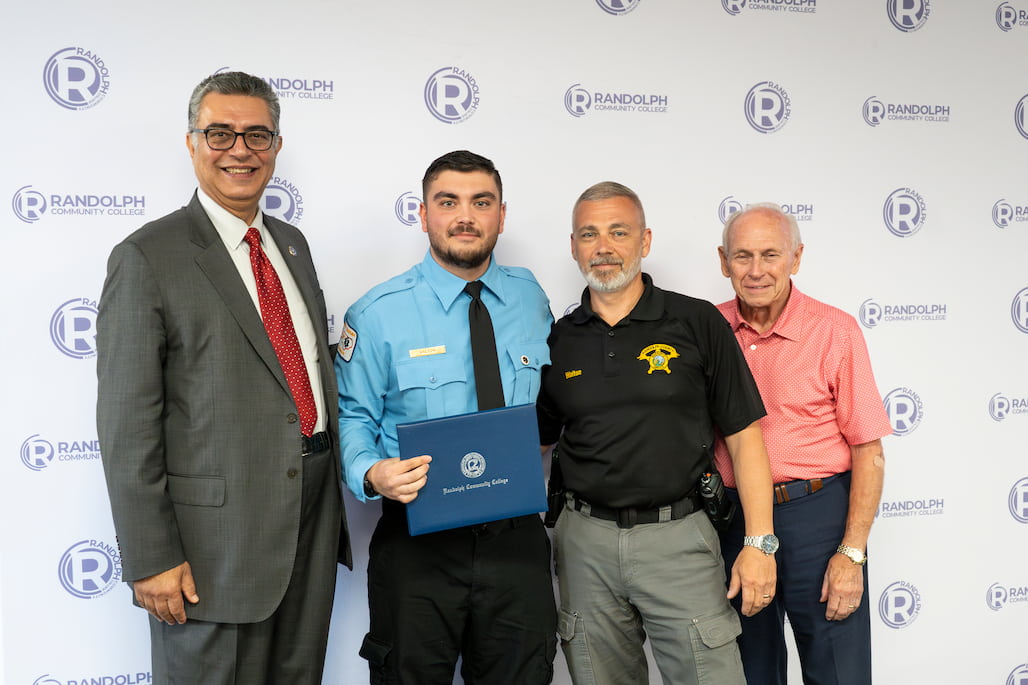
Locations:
483 350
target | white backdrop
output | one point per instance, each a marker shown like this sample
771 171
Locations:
896 129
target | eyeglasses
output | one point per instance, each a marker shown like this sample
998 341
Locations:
257 140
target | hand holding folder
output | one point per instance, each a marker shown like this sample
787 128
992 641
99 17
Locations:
399 479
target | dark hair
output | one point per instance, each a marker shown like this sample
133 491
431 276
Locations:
234 83
464 162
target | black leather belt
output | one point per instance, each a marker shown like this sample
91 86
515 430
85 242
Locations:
319 442
628 517
494 527
795 489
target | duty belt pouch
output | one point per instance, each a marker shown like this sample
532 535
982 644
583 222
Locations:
719 508
554 492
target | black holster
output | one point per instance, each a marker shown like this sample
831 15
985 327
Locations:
554 492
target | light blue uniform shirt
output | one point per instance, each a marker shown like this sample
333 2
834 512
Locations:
405 355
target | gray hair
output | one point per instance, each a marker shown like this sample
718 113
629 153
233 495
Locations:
606 190
234 83
788 221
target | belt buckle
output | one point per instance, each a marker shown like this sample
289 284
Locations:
627 517
801 488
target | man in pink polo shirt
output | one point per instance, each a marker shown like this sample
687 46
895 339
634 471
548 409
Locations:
823 433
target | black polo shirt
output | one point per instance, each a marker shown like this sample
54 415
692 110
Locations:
638 402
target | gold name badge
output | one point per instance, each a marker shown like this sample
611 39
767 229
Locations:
427 351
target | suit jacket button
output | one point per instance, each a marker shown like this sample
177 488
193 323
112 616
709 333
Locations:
292 473
291 418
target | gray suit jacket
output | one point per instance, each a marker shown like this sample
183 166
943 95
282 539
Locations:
197 427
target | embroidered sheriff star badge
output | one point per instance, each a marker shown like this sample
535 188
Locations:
659 356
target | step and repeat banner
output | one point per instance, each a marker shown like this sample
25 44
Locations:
895 130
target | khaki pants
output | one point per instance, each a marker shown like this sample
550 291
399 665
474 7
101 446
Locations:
664 581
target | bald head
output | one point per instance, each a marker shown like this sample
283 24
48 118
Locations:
769 211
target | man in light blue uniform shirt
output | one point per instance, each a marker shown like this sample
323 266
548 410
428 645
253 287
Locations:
482 592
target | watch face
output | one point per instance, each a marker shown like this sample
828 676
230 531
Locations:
768 544
853 554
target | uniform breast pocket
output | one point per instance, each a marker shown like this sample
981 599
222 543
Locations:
528 359
432 386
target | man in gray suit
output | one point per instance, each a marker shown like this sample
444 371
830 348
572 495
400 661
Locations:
217 416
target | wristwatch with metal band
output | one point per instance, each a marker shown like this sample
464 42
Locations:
768 544
854 554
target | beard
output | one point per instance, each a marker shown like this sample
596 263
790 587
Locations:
611 282
468 257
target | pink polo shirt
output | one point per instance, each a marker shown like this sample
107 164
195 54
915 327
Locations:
814 375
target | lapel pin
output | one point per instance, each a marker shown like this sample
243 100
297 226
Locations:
292 250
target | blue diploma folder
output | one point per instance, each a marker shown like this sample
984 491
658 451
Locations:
485 466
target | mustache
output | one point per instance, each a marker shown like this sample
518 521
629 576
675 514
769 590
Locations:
606 260
464 228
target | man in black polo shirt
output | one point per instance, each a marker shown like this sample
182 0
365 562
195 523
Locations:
639 380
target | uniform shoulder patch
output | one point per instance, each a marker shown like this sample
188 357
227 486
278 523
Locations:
347 342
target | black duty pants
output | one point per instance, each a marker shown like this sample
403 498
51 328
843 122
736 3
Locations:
483 593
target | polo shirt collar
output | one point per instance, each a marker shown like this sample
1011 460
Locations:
790 322
650 306
448 288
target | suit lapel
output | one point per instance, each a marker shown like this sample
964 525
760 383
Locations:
219 268
301 266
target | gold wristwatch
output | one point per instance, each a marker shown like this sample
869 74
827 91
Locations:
854 554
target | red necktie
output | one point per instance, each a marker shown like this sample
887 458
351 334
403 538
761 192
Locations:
279 324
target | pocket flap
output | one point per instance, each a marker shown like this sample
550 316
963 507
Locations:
566 624
718 629
198 491
429 372
529 355
375 650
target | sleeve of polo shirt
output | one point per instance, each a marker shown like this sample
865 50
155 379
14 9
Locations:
363 382
859 410
550 420
732 393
